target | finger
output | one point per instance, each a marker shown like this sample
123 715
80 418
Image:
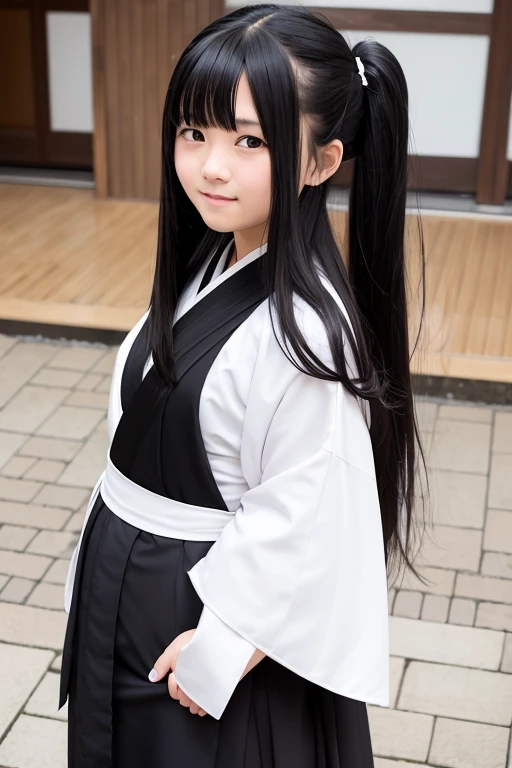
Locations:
185 700
172 685
165 662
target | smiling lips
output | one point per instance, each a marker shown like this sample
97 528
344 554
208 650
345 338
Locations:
217 197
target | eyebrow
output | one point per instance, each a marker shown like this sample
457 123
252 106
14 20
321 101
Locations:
244 121
239 122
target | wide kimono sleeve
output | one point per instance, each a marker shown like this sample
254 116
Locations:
299 572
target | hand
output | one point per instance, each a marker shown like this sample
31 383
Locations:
167 661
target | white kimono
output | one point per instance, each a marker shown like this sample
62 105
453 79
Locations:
299 570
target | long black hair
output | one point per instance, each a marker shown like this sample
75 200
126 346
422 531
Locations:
298 64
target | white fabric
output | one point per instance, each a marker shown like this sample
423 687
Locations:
299 569
157 514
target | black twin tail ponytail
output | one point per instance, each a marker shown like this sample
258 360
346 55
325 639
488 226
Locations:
377 272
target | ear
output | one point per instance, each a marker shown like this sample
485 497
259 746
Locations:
330 158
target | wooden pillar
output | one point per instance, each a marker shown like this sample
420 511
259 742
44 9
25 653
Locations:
493 168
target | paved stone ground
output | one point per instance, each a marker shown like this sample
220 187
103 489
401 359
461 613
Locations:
451 641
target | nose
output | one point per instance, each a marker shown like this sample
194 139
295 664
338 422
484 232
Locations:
215 166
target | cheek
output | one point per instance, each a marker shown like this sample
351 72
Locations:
185 169
256 180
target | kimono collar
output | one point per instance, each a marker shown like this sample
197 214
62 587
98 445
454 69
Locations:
190 296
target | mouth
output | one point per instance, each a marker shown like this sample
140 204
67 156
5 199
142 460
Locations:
218 197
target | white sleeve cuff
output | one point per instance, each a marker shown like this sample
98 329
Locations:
211 664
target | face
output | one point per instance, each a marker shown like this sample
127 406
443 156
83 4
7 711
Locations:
234 164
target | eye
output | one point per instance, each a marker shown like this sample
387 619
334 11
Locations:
253 138
184 130
244 138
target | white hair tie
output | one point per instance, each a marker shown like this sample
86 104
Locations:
360 67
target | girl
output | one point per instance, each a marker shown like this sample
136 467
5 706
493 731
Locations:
228 596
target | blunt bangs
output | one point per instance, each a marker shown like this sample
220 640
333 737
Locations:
207 78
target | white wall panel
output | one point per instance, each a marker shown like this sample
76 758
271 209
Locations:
461 6
70 71
446 81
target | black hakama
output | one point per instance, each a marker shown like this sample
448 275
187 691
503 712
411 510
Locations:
132 596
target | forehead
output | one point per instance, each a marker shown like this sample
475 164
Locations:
244 107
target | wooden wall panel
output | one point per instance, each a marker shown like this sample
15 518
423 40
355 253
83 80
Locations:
493 172
136 44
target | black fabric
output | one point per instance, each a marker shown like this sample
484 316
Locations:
132 596
206 325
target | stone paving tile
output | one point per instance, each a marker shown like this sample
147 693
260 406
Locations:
446 546
407 604
460 445
89 382
483 588
17 466
27 625
17 590
49 377
30 566
89 462
105 364
53 543
33 515
62 496
35 742
500 482
384 762
494 615
435 608
396 671
502 442
45 699
75 523
57 663
445 643
426 413
400 734
57 572
462 611
10 442
16 687
506 664
458 744
439 581
497 564
77 358
89 400
46 470
105 385
6 343
71 422
457 692
466 413
47 596
458 498
13 489
16 537
498 530
19 365
51 448
3 580
30 408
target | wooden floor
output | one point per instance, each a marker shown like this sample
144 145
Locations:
67 258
